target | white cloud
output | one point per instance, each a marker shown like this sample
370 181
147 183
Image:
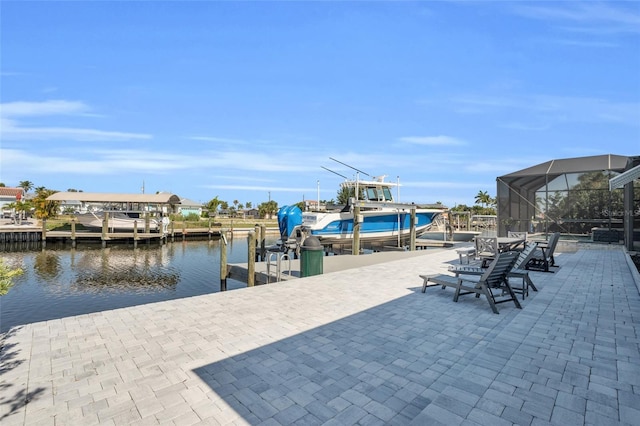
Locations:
260 188
552 108
432 140
14 130
53 107
595 17
216 139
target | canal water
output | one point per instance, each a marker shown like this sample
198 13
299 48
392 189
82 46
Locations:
62 281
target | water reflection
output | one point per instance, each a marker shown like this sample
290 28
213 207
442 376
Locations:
47 265
60 281
138 270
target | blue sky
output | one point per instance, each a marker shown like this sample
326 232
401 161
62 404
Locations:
249 100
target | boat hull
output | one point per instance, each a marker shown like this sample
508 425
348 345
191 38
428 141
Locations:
115 224
376 226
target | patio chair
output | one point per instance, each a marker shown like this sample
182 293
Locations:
517 271
486 249
543 259
493 278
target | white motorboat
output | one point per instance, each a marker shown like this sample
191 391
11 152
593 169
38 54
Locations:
116 221
380 218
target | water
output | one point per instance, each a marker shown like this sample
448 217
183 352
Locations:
60 282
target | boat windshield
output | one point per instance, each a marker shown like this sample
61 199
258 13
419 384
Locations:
379 194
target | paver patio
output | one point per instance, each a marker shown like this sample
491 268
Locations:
362 346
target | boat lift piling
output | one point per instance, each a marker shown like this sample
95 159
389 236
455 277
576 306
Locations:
355 249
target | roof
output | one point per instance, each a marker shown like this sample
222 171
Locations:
11 192
624 178
575 165
105 197
535 177
185 202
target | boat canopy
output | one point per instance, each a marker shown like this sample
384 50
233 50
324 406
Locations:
105 197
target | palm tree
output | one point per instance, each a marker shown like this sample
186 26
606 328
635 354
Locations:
213 205
26 185
483 198
45 209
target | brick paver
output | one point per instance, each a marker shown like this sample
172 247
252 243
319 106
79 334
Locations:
358 346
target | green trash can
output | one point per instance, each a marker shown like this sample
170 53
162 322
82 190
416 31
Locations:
311 257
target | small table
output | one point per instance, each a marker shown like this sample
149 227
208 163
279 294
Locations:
509 243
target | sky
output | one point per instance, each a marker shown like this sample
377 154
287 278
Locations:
254 100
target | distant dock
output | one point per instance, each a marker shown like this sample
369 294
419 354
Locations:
30 233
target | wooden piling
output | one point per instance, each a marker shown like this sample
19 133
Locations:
251 266
256 255
105 229
73 233
223 260
355 247
412 225
44 233
135 234
263 242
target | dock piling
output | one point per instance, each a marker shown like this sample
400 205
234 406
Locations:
251 267
355 248
223 260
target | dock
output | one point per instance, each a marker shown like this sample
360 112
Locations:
290 268
31 233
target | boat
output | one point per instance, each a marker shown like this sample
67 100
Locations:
117 221
381 219
447 226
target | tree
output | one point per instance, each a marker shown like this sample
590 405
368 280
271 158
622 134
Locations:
26 185
248 205
344 193
45 209
213 205
483 198
7 275
268 209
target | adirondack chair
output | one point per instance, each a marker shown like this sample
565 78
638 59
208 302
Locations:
517 271
493 278
486 249
542 259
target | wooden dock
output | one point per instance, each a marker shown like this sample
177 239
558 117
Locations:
30 233
334 263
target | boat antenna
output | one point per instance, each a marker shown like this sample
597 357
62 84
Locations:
336 173
344 164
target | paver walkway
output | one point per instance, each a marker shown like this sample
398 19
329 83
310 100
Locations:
362 346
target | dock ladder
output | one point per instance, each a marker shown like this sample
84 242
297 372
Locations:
276 259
